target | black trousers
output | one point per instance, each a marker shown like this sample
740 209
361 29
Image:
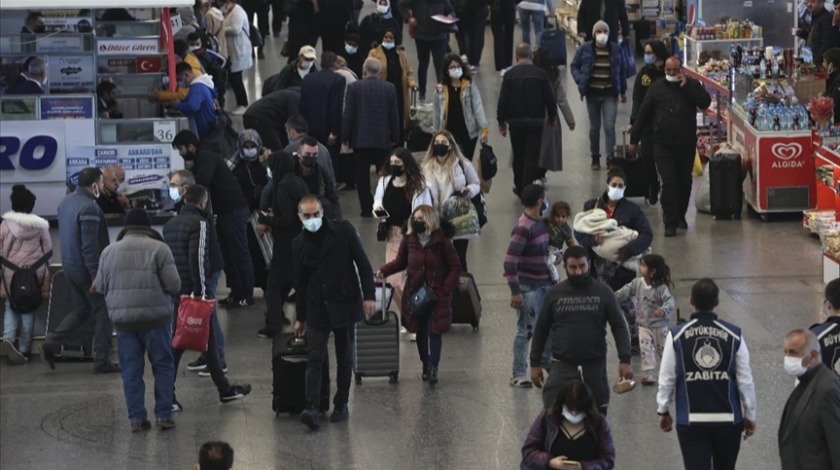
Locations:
260 9
211 356
525 142
674 163
467 147
461 249
363 159
277 291
437 49
316 370
303 31
502 25
470 35
710 446
268 132
238 88
332 32
278 15
649 163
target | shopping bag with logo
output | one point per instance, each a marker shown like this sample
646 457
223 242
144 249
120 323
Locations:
192 330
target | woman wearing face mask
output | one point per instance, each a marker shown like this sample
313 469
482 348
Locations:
400 190
628 214
655 55
598 71
428 257
571 430
248 168
448 173
374 26
458 107
396 69
237 30
831 64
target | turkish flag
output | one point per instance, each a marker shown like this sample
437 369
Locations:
149 64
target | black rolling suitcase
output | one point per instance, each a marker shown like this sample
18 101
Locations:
554 39
61 304
466 302
725 190
636 184
376 350
288 366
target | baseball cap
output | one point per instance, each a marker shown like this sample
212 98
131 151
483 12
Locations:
308 52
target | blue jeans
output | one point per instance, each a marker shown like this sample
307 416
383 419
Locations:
526 17
526 320
133 346
601 109
428 343
232 228
10 326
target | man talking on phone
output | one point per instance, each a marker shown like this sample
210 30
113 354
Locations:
670 106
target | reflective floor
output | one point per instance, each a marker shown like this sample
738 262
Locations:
770 275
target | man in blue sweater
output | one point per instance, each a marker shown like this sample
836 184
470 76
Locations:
199 105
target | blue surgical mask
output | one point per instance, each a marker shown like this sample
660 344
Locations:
174 194
650 58
313 224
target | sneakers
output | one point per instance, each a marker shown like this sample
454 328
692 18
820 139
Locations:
340 414
8 349
265 332
235 392
142 426
341 186
596 165
177 407
403 331
239 111
228 302
412 337
245 303
206 372
520 382
164 424
107 369
309 417
198 364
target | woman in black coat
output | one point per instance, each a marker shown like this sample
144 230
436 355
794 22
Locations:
654 70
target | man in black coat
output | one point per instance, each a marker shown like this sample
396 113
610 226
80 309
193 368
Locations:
231 209
670 106
322 102
30 82
823 34
268 116
613 12
369 109
330 265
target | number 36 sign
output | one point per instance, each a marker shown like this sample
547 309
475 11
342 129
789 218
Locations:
165 131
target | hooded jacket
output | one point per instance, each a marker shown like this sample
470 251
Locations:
200 105
24 239
138 278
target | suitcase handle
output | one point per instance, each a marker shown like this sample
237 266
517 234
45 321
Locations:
295 343
383 317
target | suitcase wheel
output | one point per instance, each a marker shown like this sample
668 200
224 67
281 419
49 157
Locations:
394 377
358 379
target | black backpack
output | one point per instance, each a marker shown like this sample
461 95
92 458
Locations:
24 292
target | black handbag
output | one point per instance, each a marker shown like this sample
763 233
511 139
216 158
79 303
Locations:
423 300
489 163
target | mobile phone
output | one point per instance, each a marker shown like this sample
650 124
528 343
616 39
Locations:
381 214
571 463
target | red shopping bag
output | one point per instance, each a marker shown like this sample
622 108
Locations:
193 327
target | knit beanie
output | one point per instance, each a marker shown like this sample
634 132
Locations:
138 216
22 199
601 24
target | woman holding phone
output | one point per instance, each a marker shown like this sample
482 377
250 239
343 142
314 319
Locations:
400 190
571 435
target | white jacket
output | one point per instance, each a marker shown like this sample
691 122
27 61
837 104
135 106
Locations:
237 31
423 198
596 222
461 178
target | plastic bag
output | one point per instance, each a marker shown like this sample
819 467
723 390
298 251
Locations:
697 170
461 213
193 327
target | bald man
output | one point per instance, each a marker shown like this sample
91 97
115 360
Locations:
113 200
811 420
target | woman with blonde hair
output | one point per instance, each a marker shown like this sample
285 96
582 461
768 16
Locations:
448 173
429 259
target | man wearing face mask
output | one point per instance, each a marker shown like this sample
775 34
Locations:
670 108
319 182
32 81
198 105
811 418
575 313
706 366
322 102
113 199
334 290
294 72
828 332
297 129
83 234
34 24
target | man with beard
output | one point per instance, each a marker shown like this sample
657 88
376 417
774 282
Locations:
320 183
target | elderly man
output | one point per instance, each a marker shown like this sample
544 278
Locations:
113 199
32 81
670 106
138 278
371 126
811 418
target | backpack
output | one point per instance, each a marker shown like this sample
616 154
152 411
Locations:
24 292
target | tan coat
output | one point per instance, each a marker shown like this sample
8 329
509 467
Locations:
407 76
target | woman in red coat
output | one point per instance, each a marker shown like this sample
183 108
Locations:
428 256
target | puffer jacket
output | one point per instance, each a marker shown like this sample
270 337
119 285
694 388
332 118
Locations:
138 278
24 239
471 104
671 111
188 236
584 63
83 234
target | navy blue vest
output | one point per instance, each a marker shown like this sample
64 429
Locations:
828 334
707 389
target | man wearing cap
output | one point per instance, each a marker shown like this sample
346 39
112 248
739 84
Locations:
293 73
138 277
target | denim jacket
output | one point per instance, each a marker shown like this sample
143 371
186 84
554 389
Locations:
584 63
474 115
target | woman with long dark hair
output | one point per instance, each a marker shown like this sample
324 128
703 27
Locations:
458 107
572 430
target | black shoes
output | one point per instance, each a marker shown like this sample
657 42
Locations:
228 302
670 231
107 369
266 333
235 392
425 373
142 426
164 424
433 378
340 414
198 364
683 225
653 197
309 417
596 164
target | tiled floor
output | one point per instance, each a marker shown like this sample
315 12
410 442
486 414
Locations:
770 275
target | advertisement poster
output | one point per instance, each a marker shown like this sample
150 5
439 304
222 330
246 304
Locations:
59 43
66 108
71 74
133 46
21 109
32 151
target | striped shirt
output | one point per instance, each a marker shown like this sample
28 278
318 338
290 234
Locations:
601 78
526 254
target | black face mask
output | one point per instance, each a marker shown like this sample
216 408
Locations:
440 150
40 29
418 226
580 280
309 162
396 170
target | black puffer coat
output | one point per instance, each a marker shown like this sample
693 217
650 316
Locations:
189 237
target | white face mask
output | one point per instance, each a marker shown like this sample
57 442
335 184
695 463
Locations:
382 9
96 192
249 153
350 49
388 44
601 39
794 367
574 419
174 194
194 48
306 64
122 188
672 78
456 73
313 224
615 194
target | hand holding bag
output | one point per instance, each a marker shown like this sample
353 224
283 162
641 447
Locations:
192 331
